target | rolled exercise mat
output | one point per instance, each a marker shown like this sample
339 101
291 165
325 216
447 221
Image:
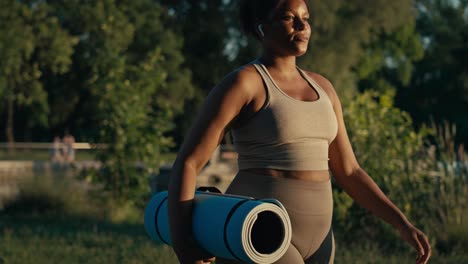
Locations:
228 226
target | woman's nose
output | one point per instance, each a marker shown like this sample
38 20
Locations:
300 24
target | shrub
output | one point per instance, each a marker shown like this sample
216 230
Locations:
448 199
428 183
387 147
54 194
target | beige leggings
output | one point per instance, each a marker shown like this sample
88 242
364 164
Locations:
309 205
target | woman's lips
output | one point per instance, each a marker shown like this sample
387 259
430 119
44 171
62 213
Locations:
301 38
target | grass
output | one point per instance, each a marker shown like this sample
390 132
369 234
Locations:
48 239
69 240
367 253
56 220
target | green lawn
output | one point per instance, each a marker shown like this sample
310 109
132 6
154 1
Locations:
55 233
50 240
39 240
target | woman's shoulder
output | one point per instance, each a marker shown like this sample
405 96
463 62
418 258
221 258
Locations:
325 84
246 73
242 78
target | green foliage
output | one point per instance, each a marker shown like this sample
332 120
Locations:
133 83
383 137
125 88
387 147
449 168
427 184
390 58
439 85
31 42
205 25
208 48
341 30
57 195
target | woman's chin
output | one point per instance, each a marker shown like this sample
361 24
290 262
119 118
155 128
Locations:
300 51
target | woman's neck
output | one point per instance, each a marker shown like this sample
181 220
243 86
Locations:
283 65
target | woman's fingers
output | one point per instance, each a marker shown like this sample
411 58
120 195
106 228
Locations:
419 247
423 247
419 241
209 260
212 259
422 239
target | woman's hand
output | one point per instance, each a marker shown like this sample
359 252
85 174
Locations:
191 253
418 240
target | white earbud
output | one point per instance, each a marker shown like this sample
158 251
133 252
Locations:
260 30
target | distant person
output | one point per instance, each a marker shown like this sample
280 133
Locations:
55 152
68 148
288 128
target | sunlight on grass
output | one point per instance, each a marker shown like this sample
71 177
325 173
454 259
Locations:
58 219
73 240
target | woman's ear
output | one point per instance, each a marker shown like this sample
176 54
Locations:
260 30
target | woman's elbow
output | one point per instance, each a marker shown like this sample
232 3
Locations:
345 173
181 171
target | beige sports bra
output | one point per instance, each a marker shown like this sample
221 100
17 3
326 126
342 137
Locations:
286 133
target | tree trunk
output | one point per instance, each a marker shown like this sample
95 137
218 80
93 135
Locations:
10 136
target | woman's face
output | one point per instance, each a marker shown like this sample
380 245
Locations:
287 33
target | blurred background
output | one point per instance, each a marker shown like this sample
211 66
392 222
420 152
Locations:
97 96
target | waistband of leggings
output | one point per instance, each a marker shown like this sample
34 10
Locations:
252 177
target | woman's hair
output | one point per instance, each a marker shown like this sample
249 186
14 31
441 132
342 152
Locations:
253 12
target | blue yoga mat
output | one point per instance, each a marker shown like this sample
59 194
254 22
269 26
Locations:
228 226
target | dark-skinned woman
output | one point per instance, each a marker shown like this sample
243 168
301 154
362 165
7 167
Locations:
288 129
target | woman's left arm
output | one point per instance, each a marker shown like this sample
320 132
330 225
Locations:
361 187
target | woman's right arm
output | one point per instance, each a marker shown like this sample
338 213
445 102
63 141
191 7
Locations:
221 107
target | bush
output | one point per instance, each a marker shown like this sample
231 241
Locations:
429 184
55 194
448 199
388 148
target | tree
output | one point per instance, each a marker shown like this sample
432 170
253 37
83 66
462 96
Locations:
342 29
390 59
206 27
131 84
438 88
31 43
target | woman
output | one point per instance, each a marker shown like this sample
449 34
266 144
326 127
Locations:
288 129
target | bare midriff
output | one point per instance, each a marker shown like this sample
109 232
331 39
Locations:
318 176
